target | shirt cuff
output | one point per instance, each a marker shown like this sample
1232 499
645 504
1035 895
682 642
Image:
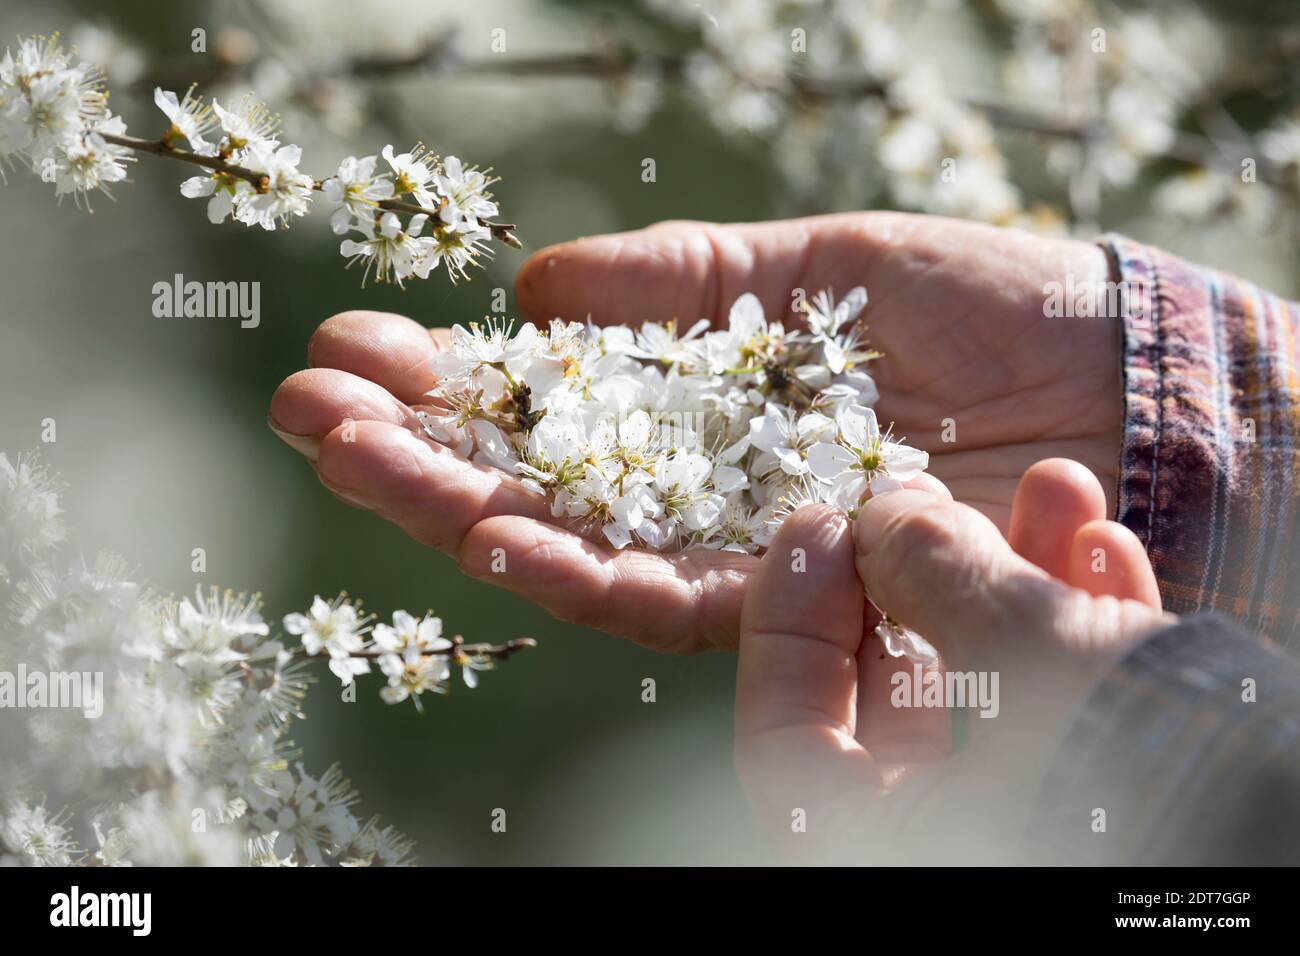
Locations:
1209 465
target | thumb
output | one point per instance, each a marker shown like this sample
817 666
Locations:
797 674
944 570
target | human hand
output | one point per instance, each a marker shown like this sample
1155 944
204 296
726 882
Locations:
817 729
958 308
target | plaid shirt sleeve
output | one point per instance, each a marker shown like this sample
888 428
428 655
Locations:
1190 747
1210 467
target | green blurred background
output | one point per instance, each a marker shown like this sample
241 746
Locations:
162 441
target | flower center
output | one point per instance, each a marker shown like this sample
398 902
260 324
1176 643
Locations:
869 461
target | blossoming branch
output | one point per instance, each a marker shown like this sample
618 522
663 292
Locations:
174 747
54 116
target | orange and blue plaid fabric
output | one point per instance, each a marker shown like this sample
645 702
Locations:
1210 468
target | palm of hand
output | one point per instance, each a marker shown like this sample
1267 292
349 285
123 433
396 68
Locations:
978 375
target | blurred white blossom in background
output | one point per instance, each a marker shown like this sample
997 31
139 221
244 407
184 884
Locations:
175 748
1016 112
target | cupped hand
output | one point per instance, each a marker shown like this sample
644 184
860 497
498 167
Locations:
834 767
957 308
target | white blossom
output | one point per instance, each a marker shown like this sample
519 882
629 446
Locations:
92 163
30 516
285 192
862 460
191 119
357 191
657 439
464 190
188 761
54 117
337 629
412 173
392 252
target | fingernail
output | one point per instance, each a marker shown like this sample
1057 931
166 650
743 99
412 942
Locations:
306 445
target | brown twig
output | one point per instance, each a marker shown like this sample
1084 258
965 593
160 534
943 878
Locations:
458 648
163 147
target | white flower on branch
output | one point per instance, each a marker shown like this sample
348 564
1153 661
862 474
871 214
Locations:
285 192
226 191
412 174
392 252
465 195
191 724
412 673
357 191
92 163
457 247
252 124
191 120
337 628
53 114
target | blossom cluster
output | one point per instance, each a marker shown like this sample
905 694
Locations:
673 438
54 114
865 102
831 83
869 102
176 749
54 117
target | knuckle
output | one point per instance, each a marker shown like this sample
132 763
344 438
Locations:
943 545
586 614
919 535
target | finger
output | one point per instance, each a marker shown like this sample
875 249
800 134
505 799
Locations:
310 404
1055 498
390 350
892 734
672 602
1108 558
690 270
499 532
800 630
929 483
434 495
943 569
897 735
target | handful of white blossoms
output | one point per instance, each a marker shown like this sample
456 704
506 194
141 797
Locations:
672 440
